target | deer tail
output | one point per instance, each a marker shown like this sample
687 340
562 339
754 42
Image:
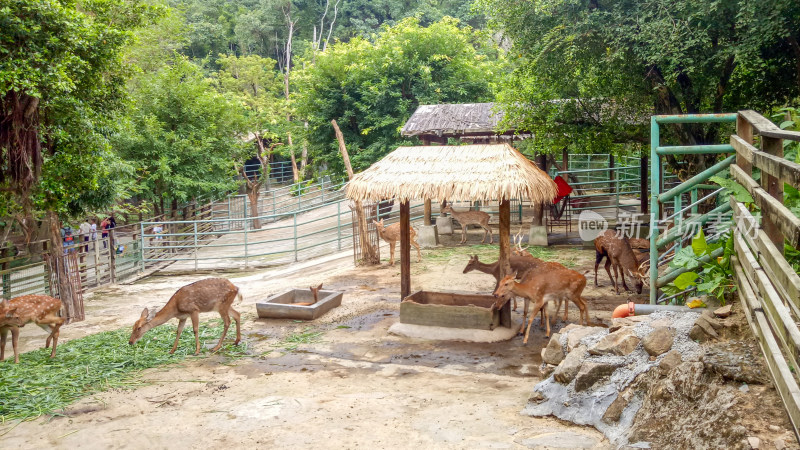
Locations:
239 296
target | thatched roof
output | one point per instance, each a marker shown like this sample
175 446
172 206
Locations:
453 120
459 173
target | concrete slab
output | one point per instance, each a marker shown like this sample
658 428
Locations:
538 236
499 334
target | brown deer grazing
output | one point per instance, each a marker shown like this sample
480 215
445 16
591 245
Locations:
620 255
541 288
465 218
39 309
211 294
391 234
314 292
519 264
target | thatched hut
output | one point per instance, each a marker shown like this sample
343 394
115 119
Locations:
475 122
464 173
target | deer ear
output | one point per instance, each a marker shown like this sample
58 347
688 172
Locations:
320 286
145 313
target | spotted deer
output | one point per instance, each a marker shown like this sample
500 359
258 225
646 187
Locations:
620 255
391 234
541 288
17 312
466 218
210 294
314 292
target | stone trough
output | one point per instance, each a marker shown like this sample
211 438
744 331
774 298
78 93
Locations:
282 306
459 316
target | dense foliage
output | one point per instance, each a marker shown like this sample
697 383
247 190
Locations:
588 72
372 87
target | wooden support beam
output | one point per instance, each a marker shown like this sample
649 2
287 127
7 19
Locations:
785 222
774 188
405 250
427 214
744 131
781 168
505 236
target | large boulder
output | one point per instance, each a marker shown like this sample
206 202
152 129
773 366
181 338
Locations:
620 342
592 372
659 341
569 367
705 328
553 353
576 334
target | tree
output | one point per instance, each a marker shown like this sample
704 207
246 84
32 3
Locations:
253 83
61 81
592 72
181 136
372 88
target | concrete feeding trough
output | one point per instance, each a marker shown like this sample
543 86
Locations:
281 306
454 310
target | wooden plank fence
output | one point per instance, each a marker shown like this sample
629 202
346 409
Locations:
768 287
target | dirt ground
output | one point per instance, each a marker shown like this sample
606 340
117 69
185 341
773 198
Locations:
356 386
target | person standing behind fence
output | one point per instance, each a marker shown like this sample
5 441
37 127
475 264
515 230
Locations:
85 231
112 223
104 232
93 228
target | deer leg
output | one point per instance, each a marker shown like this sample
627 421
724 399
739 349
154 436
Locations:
608 271
226 319
419 254
536 308
391 253
597 258
14 342
489 232
463 234
181 324
3 336
236 316
196 325
54 334
622 273
616 278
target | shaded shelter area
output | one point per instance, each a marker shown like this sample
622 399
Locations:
463 173
475 122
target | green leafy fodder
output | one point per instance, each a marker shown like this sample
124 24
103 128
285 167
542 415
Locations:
40 385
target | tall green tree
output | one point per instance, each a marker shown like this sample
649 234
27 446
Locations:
253 83
61 80
593 71
372 87
181 136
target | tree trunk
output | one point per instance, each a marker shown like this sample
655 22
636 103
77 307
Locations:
253 192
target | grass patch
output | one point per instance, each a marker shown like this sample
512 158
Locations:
294 340
39 385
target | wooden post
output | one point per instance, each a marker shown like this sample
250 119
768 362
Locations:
428 221
370 254
505 233
112 256
564 164
643 207
745 131
774 186
405 250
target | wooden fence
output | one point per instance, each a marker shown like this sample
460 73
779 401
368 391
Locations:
768 287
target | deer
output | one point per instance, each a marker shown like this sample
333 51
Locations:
17 312
541 288
391 234
210 294
466 218
620 255
314 292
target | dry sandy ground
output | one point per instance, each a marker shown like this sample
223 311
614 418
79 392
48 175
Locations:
357 386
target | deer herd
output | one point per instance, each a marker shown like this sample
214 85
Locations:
538 282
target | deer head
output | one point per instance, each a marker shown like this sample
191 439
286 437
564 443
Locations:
447 209
638 279
140 327
379 225
503 291
472 264
315 291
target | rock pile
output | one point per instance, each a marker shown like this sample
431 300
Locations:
603 376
